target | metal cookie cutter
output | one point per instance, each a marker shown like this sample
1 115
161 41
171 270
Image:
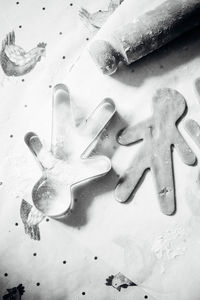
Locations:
68 163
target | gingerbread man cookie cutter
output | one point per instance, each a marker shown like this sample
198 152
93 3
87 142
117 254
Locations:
69 162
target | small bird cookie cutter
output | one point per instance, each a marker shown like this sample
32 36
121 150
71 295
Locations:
69 162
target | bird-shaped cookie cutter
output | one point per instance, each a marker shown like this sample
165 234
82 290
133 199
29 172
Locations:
64 168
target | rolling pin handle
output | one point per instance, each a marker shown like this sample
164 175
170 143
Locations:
105 56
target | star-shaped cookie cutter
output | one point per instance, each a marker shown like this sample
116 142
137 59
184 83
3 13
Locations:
69 162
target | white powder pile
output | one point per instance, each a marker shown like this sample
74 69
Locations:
170 245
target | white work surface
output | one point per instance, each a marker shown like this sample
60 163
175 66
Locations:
160 253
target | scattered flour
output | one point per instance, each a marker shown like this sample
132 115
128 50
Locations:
170 245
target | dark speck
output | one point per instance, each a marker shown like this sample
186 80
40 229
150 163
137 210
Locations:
60 33
1 182
47 220
145 297
71 4
23 80
16 224
87 39
34 254
38 284
6 274
17 2
161 67
20 26
95 257
25 105
11 136
63 57
50 86
64 262
83 293
43 8
100 10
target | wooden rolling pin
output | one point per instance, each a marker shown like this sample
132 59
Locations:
144 34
